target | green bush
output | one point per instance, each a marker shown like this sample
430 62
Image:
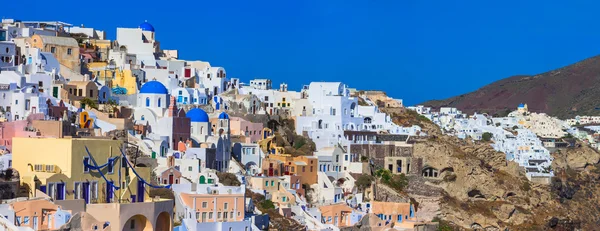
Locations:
486 136
267 204
364 181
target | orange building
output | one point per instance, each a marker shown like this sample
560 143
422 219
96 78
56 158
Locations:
38 214
336 214
402 214
220 205
303 166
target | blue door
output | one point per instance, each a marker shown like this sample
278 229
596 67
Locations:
140 191
109 192
86 192
43 188
60 191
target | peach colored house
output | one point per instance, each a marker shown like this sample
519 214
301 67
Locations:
219 204
251 131
272 185
38 214
303 166
402 214
336 214
269 184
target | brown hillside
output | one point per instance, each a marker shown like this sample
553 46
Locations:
565 92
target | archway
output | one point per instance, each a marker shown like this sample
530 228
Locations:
202 180
137 223
163 221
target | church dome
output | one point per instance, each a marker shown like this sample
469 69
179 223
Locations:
197 115
224 116
146 26
154 87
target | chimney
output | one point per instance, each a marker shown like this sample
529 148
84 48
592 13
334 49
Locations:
172 107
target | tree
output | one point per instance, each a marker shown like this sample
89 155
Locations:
364 181
89 102
486 136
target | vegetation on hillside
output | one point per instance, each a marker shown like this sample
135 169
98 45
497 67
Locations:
277 221
295 145
396 181
228 179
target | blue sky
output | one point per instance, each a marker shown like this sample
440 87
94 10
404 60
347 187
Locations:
412 49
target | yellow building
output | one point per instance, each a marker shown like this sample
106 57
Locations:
115 78
56 167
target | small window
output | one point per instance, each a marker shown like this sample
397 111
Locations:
69 51
189 168
110 166
86 162
52 50
132 224
204 204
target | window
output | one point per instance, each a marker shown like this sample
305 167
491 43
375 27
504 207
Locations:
26 220
77 190
204 204
210 215
110 166
69 51
17 102
80 92
219 215
91 93
189 168
158 102
132 224
86 162
267 183
272 183
147 101
225 215
52 50
225 206
303 168
94 190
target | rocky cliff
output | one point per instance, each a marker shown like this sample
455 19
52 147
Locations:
483 191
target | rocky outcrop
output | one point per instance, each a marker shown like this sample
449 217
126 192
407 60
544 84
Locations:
575 158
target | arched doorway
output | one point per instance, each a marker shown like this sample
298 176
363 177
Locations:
202 180
137 223
163 221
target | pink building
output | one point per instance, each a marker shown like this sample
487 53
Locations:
18 128
242 127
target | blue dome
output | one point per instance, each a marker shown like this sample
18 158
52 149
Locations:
197 115
154 87
146 27
521 105
223 115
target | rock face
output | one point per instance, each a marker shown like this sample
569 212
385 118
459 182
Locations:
483 191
